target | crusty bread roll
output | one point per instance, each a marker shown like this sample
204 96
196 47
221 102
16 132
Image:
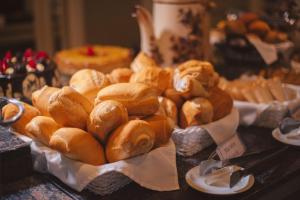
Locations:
42 128
88 82
142 61
138 98
221 101
259 28
194 78
175 96
69 108
40 99
131 139
120 75
168 108
10 110
196 111
105 117
155 77
162 126
78 145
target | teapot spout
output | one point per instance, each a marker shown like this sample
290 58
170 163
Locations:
145 23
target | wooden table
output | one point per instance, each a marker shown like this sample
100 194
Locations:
278 179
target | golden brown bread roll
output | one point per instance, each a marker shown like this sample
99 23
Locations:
120 75
69 108
175 96
42 128
162 126
138 98
196 112
259 28
142 61
195 78
88 82
155 77
131 139
10 110
40 99
78 145
105 117
221 101
167 108
170 71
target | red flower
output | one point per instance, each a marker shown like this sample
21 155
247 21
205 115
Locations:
28 53
32 64
41 54
90 51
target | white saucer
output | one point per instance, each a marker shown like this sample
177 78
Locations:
198 183
281 138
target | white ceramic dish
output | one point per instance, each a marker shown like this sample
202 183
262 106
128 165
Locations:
282 138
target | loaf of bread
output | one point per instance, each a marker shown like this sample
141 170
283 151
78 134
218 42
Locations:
69 108
88 82
196 111
40 99
221 101
78 145
138 98
167 108
120 75
105 117
133 138
41 128
142 61
10 110
175 96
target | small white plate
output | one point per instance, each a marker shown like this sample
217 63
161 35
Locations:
282 138
198 183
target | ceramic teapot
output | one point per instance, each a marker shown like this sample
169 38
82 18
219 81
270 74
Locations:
178 30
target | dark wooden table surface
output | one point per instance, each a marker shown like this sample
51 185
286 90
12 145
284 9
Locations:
277 179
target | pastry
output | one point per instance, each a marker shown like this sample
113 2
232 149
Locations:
235 27
40 99
133 138
162 126
196 111
175 96
120 75
88 82
142 61
101 58
69 108
41 128
10 110
221 101
195 78
167 108
138 98
259 28
78 145
155 77
105 117
276 37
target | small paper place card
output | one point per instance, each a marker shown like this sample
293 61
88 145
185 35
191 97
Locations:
231 148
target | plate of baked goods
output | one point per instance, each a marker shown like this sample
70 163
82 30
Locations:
262 102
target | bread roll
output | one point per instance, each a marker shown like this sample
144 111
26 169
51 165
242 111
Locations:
142 61
221 101
120 75
10 110
42 128
154 77
40 99
105 117
162 126
78 145
69 108
275 87
259 28
138 98
131 139
175 96
168 108
195 78
196 112
88 82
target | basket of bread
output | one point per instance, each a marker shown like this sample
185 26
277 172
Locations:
99 136
262 102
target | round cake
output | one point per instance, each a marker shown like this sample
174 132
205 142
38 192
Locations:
101 58
23 73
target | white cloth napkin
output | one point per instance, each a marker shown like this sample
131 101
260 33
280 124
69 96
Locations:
155 170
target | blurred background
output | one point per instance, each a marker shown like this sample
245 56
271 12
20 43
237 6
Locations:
52 25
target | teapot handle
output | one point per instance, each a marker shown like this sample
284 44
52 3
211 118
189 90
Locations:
3 102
